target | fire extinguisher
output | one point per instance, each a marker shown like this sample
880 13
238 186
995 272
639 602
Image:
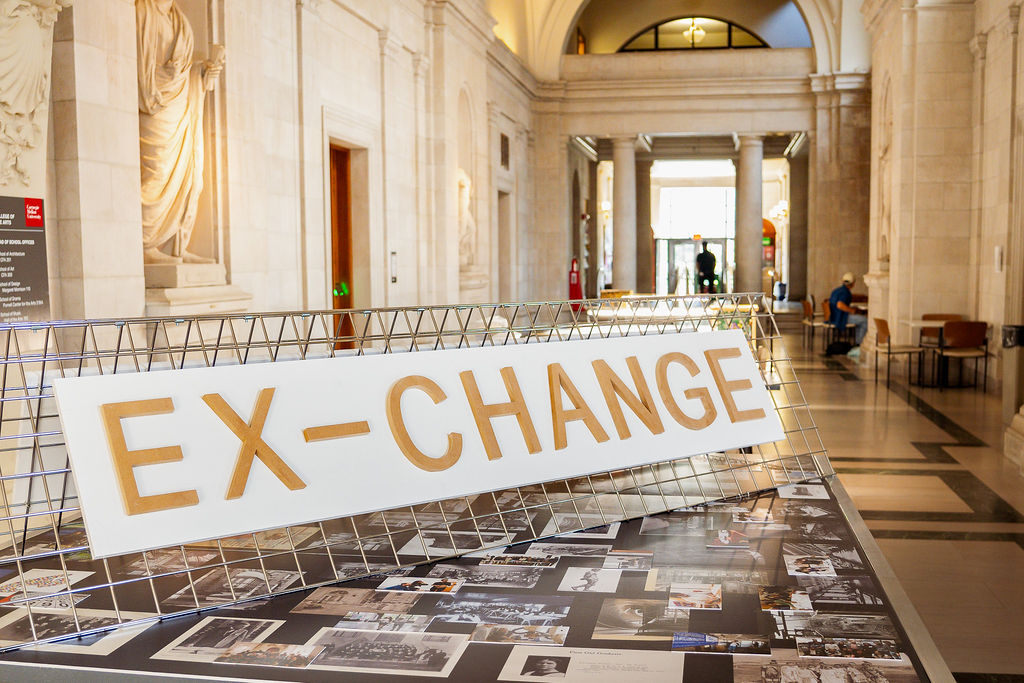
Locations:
575 286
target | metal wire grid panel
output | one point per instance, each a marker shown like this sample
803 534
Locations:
56 590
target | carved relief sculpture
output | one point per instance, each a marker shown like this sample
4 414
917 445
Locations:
467 223
25 31
172 92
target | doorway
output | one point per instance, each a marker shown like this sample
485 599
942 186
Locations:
341 242
676 265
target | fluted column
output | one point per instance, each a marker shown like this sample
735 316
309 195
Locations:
624 213
748 214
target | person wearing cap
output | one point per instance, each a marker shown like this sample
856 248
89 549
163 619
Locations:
840 302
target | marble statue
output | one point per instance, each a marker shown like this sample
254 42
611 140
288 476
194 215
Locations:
172 92
25 30
467 223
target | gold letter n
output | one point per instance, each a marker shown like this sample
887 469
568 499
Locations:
253 444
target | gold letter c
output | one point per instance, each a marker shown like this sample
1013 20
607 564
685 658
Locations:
401 434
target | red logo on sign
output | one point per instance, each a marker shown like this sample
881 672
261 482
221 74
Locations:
33 213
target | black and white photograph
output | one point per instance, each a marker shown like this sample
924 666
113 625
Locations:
639 619
834 625
854 648
733 580
409 654
486 575
808 565
514 560
583 525
169 560
493 608
590 580
816 530
787 665
387 621
568 549
270 654
213 588
680 524
803 491
443 542
519 634
845 558
630 560
337 601
351 570
762 516
541 666
839 592
15 628
416 584
213 636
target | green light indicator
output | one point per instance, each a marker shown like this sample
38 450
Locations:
766 241
341 289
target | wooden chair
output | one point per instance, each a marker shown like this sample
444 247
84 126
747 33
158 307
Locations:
883 344
835 333
930 335
964 339
809 323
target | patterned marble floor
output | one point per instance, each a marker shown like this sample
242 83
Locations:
926 471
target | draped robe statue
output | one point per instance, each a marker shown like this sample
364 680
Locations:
172 91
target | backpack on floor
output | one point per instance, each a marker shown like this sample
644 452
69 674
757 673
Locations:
838 348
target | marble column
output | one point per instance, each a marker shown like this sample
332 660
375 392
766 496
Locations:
644 234
624 213
748 214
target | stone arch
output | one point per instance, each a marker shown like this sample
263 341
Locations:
556 27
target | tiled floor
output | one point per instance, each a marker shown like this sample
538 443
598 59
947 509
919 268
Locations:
925 469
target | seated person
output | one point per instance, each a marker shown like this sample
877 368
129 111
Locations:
844 312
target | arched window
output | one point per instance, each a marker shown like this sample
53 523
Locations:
688 33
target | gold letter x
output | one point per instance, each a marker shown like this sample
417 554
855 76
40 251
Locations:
252 443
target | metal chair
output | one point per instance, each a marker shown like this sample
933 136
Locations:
835 333
809 323
964 339
883 344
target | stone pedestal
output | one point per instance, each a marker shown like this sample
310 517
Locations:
171 301
174 275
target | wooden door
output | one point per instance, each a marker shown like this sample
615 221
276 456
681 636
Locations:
341 240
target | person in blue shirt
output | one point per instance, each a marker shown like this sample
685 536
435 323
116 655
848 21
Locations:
844 312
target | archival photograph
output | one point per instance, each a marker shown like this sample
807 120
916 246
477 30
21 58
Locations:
583 525
49 623
804 565
590 580
212 588
803 491
169 560
638 619
519 635
568 549
783 599
494 608
487 575
786 665
410 654
213 636
337 601
270 654
727 539
443 542
831 593
833 625
387 621
40 582
723 643
631 560
678 524
856 648
842 557
733 580
695 596
352 570
510 560
415 584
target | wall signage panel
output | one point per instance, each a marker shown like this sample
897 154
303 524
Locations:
24 288
166 458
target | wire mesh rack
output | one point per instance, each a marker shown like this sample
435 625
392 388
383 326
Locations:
54 589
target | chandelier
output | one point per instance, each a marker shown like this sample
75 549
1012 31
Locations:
695 33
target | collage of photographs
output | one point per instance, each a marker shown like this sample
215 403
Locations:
762 589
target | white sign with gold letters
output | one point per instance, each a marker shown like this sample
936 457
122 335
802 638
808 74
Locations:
165 458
